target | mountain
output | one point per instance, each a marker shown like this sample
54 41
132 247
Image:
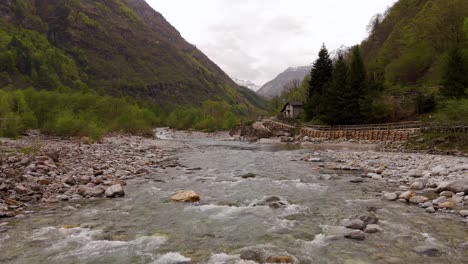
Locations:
280 83
409 43
252 86
122 47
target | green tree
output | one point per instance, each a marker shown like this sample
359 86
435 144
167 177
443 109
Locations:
321 75
356 84
337 97
455 79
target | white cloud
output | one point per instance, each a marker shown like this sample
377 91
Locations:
257 39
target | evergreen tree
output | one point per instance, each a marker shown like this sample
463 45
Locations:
336 98
321 75
356 84
455 79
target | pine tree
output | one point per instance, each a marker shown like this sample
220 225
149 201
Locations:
357 84
321 75
336 98
455 79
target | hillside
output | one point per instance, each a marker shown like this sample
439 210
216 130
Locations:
122 47
408 44
276 86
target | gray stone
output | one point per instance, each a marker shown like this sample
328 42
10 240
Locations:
458 186
355 224
417 185
439 170
369 219
390 196
428 250
426 204
439 200
418 199
463 213
415 173
94 192
430 210
447 194
115 191
251 254
69 180
356 235
372 229
356 180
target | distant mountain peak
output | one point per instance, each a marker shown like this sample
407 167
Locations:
246 83
276 86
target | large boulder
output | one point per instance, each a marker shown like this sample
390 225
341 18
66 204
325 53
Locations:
185 196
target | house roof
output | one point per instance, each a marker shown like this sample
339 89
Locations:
291 103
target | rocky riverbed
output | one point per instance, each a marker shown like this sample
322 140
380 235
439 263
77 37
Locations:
435 183
37 170
204 198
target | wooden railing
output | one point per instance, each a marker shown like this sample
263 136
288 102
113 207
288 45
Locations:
424 127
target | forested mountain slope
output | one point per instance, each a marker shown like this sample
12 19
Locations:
123 47
409 43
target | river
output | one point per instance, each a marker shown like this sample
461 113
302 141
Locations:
306 223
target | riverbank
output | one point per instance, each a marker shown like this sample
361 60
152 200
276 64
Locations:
433 182
37 170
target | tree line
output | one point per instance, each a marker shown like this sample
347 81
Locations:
343 91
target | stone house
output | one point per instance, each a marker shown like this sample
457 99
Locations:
291 110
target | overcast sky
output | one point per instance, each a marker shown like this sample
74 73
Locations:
257 39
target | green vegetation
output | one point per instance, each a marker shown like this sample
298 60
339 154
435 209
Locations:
89 114
413 65
27 57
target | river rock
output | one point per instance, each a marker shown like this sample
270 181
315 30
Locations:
185 196
458 186
279 259
447 194
428 250
356 234
69 180
390 196
429 193
439 200
370 229
463 213
430 210
94 192
355 224
418 199
356 180
447 205
426 204
248 175
457 199
115 191
369 219
415 173
251 254
417 186
439 170
407 195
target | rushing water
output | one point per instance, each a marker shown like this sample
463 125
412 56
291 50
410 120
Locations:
146 227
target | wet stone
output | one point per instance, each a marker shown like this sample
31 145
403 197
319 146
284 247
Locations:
430 251
356 235
355 224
